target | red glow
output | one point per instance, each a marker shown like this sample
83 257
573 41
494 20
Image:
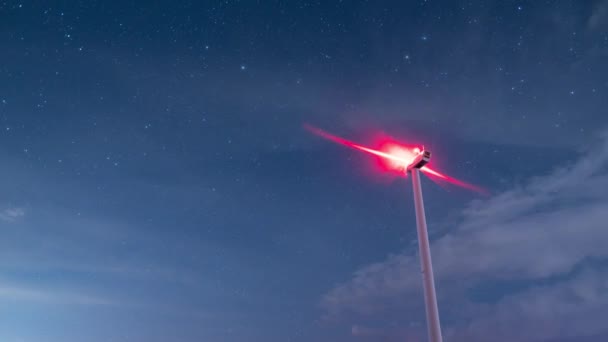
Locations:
392 155
395 157
432 173
401 157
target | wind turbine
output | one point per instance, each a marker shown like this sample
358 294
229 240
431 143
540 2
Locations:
407 160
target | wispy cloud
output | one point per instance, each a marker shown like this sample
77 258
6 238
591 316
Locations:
568 309
599 16
536 234
11 214
39 295
363 333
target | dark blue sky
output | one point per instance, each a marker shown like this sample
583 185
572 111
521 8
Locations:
157 184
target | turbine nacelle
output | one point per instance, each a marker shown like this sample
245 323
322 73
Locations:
421 160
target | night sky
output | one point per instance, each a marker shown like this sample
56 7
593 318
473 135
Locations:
156 182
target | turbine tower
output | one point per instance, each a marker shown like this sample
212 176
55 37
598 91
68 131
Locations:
428 280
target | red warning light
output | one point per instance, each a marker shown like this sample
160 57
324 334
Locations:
395 157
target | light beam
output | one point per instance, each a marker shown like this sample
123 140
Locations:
396 157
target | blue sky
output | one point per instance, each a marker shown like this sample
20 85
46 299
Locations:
157 184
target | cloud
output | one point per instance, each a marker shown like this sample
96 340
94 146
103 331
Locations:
569 309
362 333
540 232
599 16
12 214
39 295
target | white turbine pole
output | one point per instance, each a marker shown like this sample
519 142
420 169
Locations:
428 281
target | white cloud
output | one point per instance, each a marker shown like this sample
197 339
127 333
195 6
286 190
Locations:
568 309
542 230
362 333
599 16
39 295
12 214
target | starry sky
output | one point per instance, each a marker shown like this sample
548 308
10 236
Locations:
157 185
